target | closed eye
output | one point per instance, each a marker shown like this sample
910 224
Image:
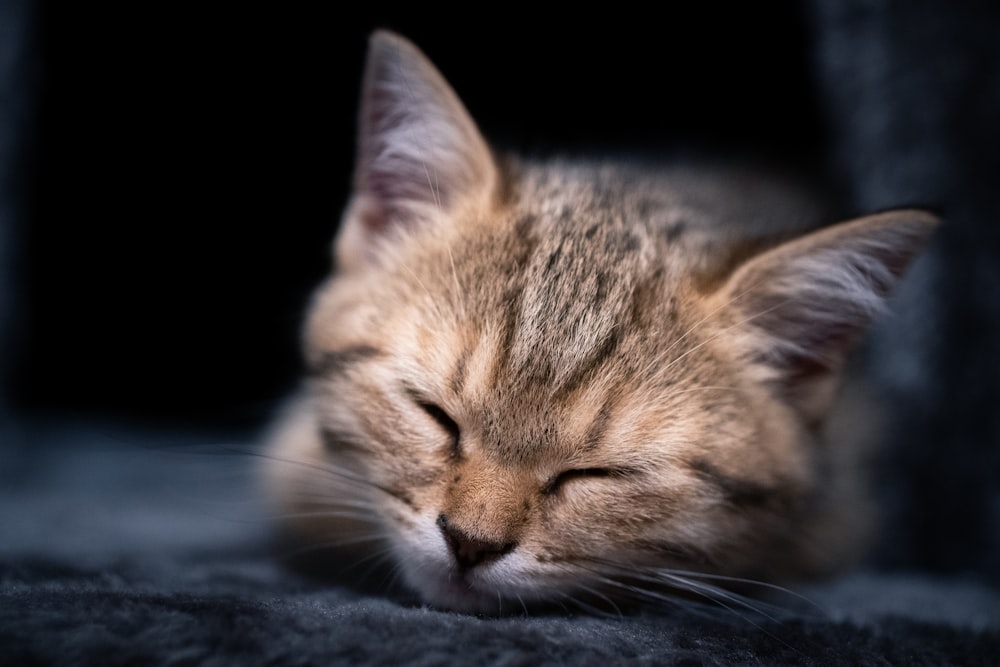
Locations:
557 481
446 423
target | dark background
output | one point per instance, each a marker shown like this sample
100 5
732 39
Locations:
180 171
190 167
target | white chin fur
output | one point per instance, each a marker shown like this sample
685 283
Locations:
429 570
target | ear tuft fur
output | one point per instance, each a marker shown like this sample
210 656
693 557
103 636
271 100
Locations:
805 302
419 152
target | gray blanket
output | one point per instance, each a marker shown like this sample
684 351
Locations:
121 547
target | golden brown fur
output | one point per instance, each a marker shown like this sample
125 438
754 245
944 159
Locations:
532 381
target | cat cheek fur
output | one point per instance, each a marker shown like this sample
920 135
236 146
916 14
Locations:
533 381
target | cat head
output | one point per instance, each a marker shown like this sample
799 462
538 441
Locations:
540 380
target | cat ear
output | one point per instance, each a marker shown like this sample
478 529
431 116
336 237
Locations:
420 155
800 306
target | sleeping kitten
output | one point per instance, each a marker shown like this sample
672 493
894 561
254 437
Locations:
531 382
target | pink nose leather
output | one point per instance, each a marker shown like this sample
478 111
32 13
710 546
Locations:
469 551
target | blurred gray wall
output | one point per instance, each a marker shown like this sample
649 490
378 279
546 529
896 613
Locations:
911 92
17 76
16 95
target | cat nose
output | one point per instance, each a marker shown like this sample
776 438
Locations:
470 551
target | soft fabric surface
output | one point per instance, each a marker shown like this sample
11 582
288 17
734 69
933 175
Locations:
113 553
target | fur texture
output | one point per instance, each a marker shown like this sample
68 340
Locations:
533 381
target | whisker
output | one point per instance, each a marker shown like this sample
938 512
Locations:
581 604
720 597
338 473
524 607
639 594
690 330
330 489
662 355
322 514
715 593
720 333
394 572
375 559
613 572
339 543
755 583
341 473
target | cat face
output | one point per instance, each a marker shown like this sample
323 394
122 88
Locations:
530 382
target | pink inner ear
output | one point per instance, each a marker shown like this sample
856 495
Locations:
419 151
803 341
396 160
812 298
